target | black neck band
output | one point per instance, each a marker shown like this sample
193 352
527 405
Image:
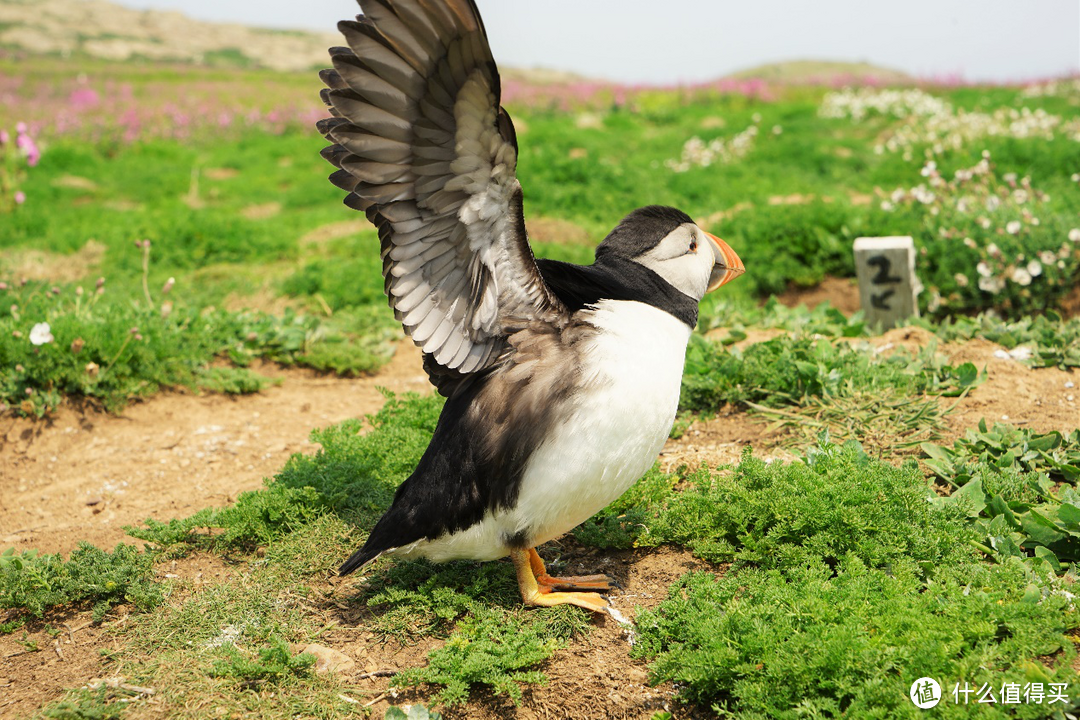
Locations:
615 278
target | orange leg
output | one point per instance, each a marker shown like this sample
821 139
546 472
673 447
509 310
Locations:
533 593
571 582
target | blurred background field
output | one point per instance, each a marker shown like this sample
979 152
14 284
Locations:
166 224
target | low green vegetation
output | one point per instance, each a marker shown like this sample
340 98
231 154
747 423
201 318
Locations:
1040 340
34 582
497 648
849 640
851 391
1007 447
274 663
57 343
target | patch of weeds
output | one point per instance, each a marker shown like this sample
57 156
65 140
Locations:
786 371
1018 515
314 550
232 381
737 316
250 608
57 342
810 640
29 644
836 503
498 648
795 244
354 280
33 582
10 626
272 665
852 392
1047 339
170 536
351 343
1006 446
225 641
103 703
415 599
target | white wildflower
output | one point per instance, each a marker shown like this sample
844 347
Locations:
991 284
961 279
1021 276
1074 234
984 270
1034 268
1047 257
1012 227
41 334
992 250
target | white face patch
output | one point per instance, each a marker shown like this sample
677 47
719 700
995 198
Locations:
684 258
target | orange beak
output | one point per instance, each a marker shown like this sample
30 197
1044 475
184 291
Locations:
728 265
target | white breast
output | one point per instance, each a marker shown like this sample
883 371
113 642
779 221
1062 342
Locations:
619 421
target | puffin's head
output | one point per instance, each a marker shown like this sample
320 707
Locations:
668 242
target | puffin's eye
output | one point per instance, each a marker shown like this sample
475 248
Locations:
693 246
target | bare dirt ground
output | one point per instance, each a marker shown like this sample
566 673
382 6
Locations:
84 474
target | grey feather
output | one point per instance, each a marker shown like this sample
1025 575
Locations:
412 157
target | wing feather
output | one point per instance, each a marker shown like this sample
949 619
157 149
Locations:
425 150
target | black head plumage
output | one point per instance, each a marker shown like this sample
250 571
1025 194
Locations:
640 231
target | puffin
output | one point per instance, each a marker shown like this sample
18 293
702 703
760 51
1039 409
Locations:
561 381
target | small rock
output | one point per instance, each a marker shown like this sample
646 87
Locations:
94 501
329 660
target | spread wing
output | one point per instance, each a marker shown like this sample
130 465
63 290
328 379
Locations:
426 151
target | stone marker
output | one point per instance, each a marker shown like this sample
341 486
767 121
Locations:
885 267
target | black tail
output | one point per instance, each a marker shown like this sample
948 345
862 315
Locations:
358 559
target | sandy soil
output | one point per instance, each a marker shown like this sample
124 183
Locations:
84 474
